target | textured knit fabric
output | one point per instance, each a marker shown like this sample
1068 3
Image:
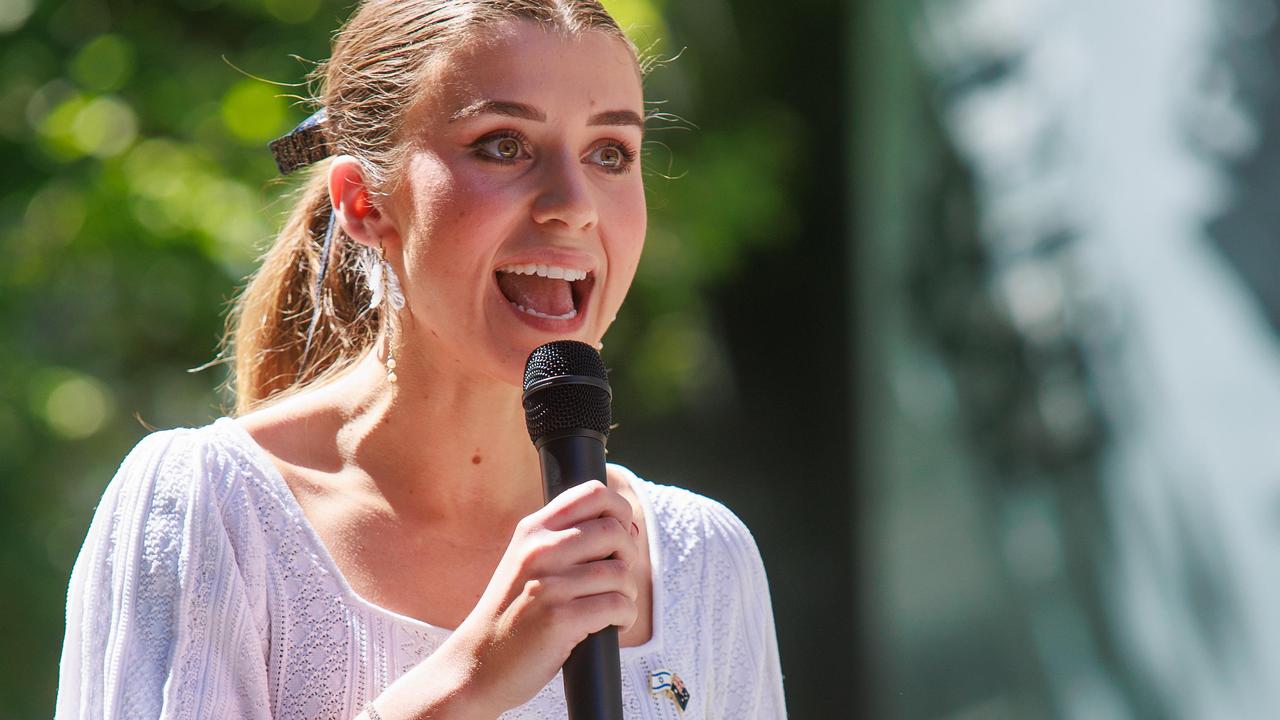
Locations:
202 592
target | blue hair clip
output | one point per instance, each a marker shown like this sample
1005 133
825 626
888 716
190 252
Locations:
305 144
319 288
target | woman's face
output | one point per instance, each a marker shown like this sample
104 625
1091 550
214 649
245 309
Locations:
521 209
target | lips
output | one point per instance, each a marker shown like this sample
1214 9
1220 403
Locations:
549 292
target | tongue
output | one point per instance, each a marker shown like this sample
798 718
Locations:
545 295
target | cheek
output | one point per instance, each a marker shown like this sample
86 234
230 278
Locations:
428 186
632 221
477 207
451 209
625 244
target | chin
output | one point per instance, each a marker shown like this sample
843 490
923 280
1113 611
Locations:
514 363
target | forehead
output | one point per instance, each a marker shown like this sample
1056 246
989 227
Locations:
565 76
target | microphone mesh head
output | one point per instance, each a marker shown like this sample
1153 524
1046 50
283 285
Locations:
567 405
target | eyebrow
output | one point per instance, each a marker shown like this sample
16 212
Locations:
528 112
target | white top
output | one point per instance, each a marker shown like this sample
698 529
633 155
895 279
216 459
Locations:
202 592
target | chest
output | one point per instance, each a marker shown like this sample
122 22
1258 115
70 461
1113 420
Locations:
434 574
429 573
328 655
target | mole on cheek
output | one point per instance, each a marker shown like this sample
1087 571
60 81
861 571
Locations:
475 459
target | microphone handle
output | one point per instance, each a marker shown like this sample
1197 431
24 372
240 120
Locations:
593 672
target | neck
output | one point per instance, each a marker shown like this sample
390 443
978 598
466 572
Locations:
442 446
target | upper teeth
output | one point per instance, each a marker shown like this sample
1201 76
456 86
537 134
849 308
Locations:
554 272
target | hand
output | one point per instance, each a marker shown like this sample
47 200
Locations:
565 574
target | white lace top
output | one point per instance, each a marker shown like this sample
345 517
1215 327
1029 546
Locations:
202 592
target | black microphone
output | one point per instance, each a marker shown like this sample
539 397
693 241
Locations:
567 408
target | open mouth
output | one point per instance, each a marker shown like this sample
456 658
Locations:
550 292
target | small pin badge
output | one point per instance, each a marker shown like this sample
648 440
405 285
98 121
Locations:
665 682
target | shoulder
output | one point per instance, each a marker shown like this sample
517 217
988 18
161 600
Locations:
204 463
686 516
697 539
166 578
176 510
174 485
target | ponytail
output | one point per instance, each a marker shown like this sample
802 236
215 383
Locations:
268 329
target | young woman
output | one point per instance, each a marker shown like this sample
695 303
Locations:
367 537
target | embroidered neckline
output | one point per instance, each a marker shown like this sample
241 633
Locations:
278 488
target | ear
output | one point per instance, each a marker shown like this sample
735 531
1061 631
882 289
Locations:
359 217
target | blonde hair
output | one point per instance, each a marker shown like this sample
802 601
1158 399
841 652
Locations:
373 75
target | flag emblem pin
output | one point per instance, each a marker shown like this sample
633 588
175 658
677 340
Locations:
665 682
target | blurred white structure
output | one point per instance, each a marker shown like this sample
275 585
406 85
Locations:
1089 126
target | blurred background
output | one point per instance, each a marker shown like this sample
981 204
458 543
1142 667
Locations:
969 308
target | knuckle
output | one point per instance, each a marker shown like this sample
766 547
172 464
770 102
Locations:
550 590
534 556
619 537
618 503
622 527
621 604
618 569
528 526
609 525
535 588
607 570
586 528
630 587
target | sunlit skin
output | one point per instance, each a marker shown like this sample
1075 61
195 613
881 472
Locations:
466 209
416 487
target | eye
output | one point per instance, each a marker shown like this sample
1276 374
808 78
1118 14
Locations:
614 157
504 147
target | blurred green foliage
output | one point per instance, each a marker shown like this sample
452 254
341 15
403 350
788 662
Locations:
138 192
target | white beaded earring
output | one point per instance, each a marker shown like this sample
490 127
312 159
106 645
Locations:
384 289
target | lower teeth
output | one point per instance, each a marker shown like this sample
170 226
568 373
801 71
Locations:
573 313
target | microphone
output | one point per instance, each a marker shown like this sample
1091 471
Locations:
567 409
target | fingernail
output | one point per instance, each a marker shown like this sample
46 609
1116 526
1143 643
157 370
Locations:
635 529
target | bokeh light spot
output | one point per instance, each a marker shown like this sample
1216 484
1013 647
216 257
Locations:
253 112
55 128
104 127
14 14
46 99
55 214
77 407
104 63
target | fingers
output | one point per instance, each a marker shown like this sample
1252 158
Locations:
575 558
597 539
597 612
595 578
581 599
567 573
550 553
578 616
589 500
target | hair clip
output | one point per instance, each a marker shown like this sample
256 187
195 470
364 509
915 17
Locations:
303 145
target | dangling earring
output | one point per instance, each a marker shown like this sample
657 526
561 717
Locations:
384 288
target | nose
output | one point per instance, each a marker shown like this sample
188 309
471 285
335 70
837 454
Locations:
565 196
